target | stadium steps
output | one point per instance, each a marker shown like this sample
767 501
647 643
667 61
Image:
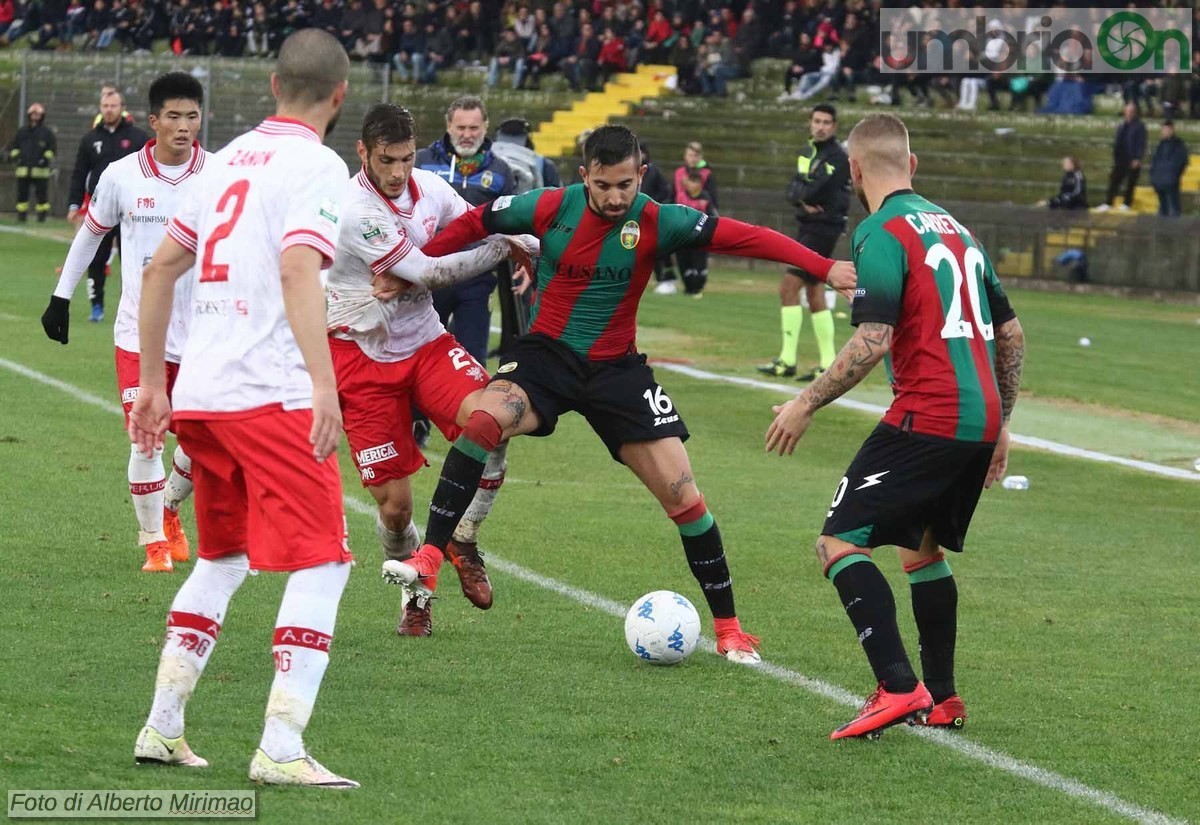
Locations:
558 137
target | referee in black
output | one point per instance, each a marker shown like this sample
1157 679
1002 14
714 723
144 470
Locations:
820 193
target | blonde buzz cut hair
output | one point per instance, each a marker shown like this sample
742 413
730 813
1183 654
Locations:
879 142
312 64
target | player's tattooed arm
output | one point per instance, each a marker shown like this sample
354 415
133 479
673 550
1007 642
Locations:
1010 356
862 352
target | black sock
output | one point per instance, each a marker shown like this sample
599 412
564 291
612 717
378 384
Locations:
456 487
706 558
935 607
869 604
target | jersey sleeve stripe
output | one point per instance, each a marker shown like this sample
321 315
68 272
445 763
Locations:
94 226
307 237
182 235
392 258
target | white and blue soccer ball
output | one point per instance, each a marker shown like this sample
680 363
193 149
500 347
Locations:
662 628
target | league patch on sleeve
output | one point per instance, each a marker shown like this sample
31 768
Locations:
372 232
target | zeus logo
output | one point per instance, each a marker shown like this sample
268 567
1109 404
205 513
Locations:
872 480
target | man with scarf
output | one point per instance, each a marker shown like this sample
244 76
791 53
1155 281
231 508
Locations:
464 157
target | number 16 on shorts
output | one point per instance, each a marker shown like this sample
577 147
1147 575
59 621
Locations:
661 405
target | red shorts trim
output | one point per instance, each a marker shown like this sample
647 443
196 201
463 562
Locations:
129 378
377 400
259 491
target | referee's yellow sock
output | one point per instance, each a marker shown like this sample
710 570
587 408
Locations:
791 319
822 324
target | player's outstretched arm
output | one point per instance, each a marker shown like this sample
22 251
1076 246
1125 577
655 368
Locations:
151 411
304 303
466 229
866 348
435 273
747 240
1010 356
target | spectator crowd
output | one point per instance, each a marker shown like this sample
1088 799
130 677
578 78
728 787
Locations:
830 47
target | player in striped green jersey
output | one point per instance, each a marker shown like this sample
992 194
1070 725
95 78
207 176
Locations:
600 239
929 301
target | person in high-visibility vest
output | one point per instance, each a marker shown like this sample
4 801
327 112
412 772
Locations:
820 193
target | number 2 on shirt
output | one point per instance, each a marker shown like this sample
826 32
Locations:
210 271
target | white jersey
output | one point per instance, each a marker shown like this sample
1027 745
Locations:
270 189
377 235
140 195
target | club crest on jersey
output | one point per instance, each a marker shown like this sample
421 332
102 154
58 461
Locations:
631 233
485 180
372 233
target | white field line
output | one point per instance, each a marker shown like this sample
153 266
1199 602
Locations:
849 403
875 409
979 753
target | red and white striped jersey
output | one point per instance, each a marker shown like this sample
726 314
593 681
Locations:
271 189
379 234
140 195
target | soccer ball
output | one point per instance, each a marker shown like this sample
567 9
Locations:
662 628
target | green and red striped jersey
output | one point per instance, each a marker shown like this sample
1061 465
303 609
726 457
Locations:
593 271
922 272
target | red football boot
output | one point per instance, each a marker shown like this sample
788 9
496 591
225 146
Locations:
883 709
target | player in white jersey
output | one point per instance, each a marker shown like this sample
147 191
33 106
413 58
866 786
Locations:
141 192
256 406
393 355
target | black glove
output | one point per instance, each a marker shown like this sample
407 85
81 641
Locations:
56 320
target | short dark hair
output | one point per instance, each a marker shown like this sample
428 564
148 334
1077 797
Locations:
826 109
387 123
175 86
610 145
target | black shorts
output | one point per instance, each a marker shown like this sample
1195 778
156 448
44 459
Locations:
902 483
822 241
620 398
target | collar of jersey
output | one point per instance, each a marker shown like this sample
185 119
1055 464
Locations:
896 194
275 125
150 167
413 190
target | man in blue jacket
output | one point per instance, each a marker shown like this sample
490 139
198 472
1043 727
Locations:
1166 170
1129 147
464 157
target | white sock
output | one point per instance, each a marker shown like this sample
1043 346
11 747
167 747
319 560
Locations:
303 633
485 496
146 483
193 626
400 545
179 484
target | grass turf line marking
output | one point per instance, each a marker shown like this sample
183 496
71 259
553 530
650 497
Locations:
862 406
980 753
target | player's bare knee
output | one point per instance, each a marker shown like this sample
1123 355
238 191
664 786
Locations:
396 511
509 405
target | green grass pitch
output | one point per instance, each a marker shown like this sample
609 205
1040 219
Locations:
1078 623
